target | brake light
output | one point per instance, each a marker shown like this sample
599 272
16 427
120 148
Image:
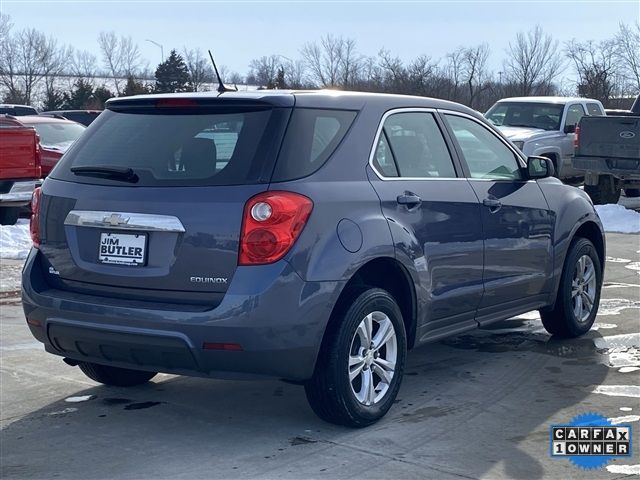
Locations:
175 103
576 138
34 225
271 224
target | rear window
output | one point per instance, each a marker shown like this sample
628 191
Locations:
178 148
58 135
312 136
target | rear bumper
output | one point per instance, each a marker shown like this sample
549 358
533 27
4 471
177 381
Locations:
19 194
276 318
627 168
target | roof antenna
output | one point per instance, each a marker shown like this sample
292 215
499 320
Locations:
221 86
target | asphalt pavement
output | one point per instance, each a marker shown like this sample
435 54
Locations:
479 405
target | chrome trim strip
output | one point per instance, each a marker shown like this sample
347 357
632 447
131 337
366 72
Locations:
124 221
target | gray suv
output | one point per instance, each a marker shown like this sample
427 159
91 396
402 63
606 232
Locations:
311 236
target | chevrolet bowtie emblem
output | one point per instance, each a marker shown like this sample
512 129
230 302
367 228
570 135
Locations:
116 219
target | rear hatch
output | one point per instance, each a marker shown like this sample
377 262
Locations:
148 204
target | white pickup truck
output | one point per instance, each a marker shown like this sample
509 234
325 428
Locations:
545 126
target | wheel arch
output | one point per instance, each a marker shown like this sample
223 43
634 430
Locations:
388 274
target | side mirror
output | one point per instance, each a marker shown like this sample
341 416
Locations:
569 129
540 167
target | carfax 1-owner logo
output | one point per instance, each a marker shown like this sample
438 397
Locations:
590 441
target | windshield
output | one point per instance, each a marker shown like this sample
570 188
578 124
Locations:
545 116
58 136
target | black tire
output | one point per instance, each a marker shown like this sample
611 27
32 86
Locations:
119 377
329 391
632 192
9 215
606 191
561 320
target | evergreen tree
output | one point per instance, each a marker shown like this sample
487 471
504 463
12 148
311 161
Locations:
100 96
134 88
172 75
54 100
80 95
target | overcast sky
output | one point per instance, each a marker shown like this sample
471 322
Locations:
239 31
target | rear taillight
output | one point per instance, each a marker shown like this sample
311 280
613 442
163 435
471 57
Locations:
271 224
34 226
576 138
38 163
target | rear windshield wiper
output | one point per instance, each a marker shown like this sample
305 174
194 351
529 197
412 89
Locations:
124 174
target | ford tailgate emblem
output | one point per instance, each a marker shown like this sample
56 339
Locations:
627 134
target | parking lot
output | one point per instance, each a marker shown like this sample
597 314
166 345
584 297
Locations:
476 405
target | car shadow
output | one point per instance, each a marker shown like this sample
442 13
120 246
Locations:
467 404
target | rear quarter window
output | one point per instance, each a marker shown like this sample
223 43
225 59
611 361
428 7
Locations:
311 138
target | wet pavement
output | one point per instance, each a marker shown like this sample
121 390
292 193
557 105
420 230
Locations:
478 405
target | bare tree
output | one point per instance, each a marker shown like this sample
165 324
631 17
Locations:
54 62
5 27
628 53
264 70
131 60
334 62
453 73
294 73
83 64
120 57
111 59
533 61
474 70
596 65
199 66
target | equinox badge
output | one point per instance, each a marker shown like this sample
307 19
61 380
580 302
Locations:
208 280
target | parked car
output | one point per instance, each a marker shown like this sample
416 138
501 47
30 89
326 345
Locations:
608 151
544 126
338 231
56 136
85 117
17 110
19 167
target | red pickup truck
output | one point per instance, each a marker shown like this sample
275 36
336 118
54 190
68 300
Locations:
20 169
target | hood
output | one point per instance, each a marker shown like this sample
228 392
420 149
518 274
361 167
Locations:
524 133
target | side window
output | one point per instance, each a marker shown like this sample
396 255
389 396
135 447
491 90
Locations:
486 155
594 109
411 145
574 113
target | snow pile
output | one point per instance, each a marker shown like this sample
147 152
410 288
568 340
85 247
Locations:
15 240
617 218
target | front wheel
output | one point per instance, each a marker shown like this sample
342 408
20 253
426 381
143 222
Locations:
361 362
578 294
606 191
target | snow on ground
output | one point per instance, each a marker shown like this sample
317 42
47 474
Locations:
617 218
15 240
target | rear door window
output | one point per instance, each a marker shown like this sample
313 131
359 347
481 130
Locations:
594 109
574 113
411 145
202 147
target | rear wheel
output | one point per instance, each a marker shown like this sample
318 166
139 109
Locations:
579 292
119 377
9 215
632 192
361 362
606 191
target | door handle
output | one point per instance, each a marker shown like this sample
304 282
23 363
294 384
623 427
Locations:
493 203
409 199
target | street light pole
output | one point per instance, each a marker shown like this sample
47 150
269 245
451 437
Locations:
157 45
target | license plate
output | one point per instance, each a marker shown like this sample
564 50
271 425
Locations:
122 249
